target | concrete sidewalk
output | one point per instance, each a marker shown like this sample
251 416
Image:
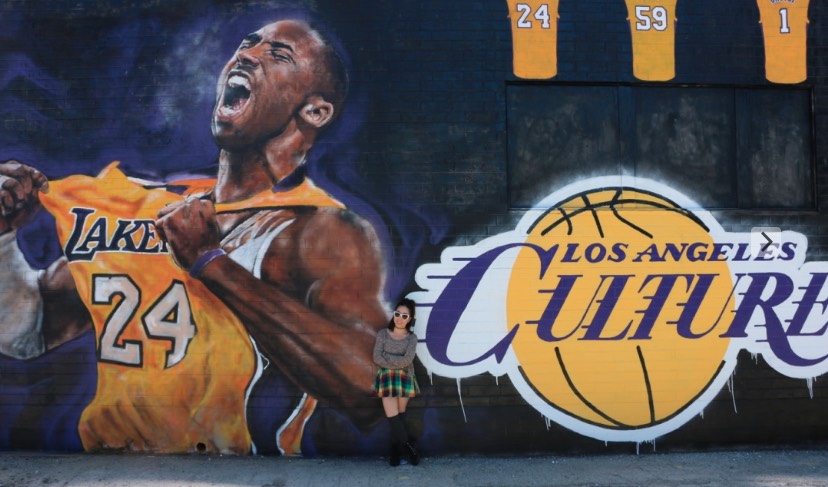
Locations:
731 469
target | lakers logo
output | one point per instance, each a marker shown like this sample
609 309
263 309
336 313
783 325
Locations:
609 351
618 311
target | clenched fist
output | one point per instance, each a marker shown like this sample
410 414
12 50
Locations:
189 227
19 188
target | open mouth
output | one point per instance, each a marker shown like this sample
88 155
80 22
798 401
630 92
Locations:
236 95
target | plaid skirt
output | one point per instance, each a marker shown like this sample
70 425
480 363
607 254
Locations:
395 383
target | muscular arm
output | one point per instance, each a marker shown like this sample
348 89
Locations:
322 343
65 316
41 310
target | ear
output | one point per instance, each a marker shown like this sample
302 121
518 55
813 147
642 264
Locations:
317 111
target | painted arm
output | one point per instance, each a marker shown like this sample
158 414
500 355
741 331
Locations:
41 310
22 317
323 342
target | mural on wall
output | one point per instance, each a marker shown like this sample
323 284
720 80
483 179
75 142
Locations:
617 308
784 29
653 31
534 38
195 313
652 25
194 263
138 258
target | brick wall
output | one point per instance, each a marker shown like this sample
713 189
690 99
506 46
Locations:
422 153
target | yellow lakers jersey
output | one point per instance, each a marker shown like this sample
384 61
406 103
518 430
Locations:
652 26
534 38
784 29
174 363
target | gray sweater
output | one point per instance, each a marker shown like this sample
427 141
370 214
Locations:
395 354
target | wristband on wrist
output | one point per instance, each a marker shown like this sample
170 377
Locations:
209 256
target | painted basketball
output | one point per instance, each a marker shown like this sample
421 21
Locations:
606 332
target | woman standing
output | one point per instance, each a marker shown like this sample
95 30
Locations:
395 382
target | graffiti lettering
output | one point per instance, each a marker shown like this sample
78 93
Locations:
777 335
575 253
633 301
593 253
717 252
605 299
131 236
451 304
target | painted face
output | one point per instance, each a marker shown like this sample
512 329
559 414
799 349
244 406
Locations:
264 84
402 316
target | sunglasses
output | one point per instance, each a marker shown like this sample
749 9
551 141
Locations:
404 316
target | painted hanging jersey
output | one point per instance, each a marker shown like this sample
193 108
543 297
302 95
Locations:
652 26
784 29
534 38
175 365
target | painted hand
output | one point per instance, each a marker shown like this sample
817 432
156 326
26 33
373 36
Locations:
189 228
19 188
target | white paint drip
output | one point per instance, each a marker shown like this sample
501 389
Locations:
638 445
460 396
730 388
810 381
547 421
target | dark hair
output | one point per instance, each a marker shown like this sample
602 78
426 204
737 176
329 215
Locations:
334 85
411 305
332 78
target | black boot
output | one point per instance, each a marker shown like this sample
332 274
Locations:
410 445
398 439
411 451
394 455
408 435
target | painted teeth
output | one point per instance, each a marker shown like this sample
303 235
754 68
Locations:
238 81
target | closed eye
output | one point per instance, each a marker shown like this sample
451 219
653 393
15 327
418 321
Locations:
280 56
281 51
